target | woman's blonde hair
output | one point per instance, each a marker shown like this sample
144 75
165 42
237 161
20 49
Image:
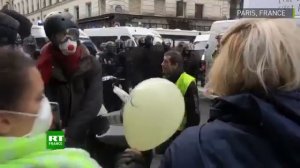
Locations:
257 55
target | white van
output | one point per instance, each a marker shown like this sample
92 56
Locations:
217 28
176 35
39 34
101 35
220 27
201 41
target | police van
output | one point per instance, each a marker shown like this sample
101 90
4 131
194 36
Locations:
200 41
175 36
102 35
217 28
39 34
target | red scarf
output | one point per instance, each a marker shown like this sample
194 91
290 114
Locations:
69 64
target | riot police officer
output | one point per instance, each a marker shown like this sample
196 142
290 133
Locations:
119 45
109 60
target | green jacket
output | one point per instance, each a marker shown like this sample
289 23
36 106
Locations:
183 84
31 152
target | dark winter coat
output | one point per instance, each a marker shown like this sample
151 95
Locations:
244 131
79 96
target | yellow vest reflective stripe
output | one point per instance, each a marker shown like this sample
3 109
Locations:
183 84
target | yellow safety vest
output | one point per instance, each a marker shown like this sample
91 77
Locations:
183 84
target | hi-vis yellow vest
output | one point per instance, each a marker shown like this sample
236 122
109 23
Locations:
183 84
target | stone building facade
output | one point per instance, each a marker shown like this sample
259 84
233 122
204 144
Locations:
148 13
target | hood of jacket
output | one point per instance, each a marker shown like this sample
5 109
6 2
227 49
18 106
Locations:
276 114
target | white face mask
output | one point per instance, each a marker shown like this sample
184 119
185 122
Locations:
69 47
43 119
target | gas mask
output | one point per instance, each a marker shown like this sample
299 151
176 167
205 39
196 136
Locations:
43 118
68 48
68 44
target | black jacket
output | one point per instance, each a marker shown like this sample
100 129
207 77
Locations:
192 61
245 131
146 63
79 98
111 64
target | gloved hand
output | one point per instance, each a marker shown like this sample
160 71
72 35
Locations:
131 159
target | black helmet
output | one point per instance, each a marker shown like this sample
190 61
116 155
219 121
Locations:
8 29
102 46
119 44
30 40
129 43
149 41
57 23
110 47
141 42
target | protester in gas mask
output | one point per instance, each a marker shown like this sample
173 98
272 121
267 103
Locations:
72 78
25 116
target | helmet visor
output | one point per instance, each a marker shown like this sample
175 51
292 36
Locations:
69 34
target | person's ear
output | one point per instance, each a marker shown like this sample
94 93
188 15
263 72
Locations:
175 66
5 124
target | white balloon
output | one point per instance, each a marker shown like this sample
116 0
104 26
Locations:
153 114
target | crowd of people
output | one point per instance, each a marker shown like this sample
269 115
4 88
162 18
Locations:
254 121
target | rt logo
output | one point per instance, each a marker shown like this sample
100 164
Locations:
55 140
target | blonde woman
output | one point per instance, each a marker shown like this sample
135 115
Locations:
255 122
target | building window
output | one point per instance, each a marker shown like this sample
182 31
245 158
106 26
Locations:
15 7
135 6
44 5
38 5
88 9
118 9
32 6
27 6
23 8
76 10
199 11
181 8
66 10
103 6
50 2
160 6
19 8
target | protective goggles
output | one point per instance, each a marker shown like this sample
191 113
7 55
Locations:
71 34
